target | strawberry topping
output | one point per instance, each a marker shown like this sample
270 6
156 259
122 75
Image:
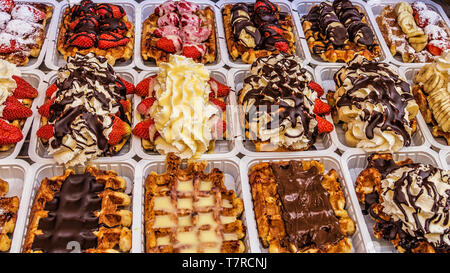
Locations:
9 134
45 132
24 90
14 109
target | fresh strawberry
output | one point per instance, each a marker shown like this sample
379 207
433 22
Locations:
14 109
83 40
282 46
111 40
9 134
166 45
50 90
275 28
316 87
218 89
145 87
74 24
6 5
110 11
120 130
24 90
45 132
128 86
44 110
7 45
222 105
323 125
126 104
191 52
142 129
145 105
321 108
436 51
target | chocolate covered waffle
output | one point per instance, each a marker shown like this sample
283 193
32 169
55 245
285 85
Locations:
8 216
103 29
408 201
22 30
86 113
298 208
413 31
375 105
432 93
188 210
257 30
338 31
87 209
280 108
179 27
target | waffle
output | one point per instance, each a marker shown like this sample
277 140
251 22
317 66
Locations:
324 46
274 219
188 210
8 216
247 54
151 52
371 188
96 197
112 54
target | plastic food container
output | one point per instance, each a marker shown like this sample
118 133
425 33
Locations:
444 156
236 79
34 63
230 168
324 75
354 163
360 239
14 172
54 60
285 6
39 171
147 8
377 6
39 153
302 8
223 148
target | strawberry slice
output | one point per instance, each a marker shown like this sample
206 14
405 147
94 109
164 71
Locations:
282 46
44 110
145 105
45 132
120 130
9 134
50 90
222 105
321 108
166 45
323 125
145 87
24 90
142 129
83 40
192 52
128 86
110 11
316 87
126 104
14 109
436 51
218 89
7 43
111 40
6 5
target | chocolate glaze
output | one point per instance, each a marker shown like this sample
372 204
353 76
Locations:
71 215
241 21
307 214
329 23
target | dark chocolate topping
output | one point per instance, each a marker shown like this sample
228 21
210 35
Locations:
331 26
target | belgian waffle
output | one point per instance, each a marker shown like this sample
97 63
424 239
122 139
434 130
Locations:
280 28
77 23
188 210
335 41
273 200
8 216
385 188
94 201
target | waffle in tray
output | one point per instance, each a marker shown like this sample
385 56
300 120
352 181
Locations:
188 210
88 208
323 229
23 30
8 216
104 29
279 29
336 41
187 39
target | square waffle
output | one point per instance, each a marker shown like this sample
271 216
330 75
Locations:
151 52
67 37
30 43
87 208
188 210
247 54
277 228
8 216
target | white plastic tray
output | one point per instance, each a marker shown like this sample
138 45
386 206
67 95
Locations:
39 171
324 75
360 239
223 148
15 172
354 163
302 7
444 156
235 81
377 6
54 60
37 151
285 6
230 168
147 8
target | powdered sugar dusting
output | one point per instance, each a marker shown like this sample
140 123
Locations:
27 13
4 19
